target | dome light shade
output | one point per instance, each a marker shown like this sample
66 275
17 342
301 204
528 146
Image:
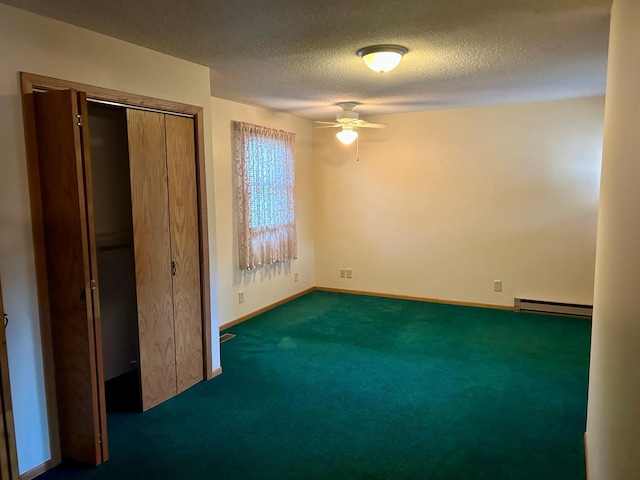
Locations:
382 58
347 135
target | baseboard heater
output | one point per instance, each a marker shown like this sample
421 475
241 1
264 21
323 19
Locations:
553 308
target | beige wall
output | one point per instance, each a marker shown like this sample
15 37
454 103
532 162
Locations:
613 421
39 45
266 285
442 203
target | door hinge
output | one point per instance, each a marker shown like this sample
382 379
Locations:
92 284
79 119
174 268
99 438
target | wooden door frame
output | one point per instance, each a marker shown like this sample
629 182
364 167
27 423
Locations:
29 84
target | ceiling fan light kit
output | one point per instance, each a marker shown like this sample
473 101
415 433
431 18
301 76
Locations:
349 122
382 58
347 135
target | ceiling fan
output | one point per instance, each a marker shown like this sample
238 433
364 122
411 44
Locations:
349 122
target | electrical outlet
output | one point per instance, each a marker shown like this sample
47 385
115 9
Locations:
295 276
349 273
240 297
497 285
343 273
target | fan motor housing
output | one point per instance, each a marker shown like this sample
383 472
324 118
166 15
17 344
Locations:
347 115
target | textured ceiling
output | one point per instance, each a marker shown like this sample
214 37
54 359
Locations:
300 57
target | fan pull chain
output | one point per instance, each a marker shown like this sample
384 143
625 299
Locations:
358 148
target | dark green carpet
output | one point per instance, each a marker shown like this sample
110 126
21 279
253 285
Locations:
343 386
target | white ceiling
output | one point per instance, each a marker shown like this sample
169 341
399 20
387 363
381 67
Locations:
300 56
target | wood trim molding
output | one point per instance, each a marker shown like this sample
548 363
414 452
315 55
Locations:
419 299
38 470
244 318
203 219
31 82
216 371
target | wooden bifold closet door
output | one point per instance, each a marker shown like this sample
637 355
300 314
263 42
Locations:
165 237
185 250
162 141
65 186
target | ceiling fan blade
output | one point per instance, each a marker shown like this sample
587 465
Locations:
365 124
333 125
325 123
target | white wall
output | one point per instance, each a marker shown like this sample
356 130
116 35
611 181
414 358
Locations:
266 285
35 44
442 203
613 421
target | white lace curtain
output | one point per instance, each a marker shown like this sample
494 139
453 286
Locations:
264 191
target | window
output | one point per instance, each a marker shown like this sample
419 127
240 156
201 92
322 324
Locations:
265 202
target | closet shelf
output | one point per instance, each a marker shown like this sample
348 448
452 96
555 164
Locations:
113 240
115 246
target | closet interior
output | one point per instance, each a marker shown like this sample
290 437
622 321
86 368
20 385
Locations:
113 224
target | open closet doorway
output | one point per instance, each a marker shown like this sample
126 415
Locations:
108 143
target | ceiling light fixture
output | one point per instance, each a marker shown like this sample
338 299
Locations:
347 135
382 58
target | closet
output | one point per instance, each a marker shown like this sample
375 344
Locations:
122 239
145 215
